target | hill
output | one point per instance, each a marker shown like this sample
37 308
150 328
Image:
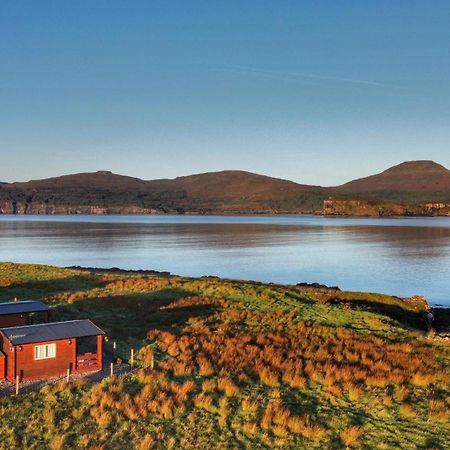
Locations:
406 182
101 180
239 192
230 192
232 364
105 192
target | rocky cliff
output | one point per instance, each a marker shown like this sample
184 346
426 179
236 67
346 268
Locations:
373 208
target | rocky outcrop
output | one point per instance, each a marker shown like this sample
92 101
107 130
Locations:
374 208
436 209
39 208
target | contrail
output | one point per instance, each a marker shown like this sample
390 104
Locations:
293 75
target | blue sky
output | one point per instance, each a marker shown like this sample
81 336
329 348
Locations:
319 92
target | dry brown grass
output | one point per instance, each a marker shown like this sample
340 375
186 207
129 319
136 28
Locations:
406 410
248 405
226 385
438 411
401 393
147 443
250 428
350 436
204 401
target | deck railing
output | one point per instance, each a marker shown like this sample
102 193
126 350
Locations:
87 360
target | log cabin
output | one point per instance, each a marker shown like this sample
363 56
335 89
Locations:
50 349
14 314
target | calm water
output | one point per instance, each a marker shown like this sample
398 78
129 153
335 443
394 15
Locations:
395 256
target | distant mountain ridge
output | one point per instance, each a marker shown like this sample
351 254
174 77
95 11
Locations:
224 192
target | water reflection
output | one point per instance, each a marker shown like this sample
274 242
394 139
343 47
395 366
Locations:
397 256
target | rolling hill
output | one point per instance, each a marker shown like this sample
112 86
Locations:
215 192
408 181
225 192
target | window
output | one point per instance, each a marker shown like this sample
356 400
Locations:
45 351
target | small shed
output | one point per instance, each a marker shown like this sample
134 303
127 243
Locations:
20 313
49 349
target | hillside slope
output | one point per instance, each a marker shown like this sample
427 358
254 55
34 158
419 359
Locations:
408 181
101 180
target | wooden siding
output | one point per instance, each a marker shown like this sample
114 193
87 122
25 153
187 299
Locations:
19 360
28 368
2 366
14 320
10 359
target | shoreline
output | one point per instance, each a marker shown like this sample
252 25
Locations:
231 214
316 284
441 313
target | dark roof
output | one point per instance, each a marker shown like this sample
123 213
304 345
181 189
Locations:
25 306
51 331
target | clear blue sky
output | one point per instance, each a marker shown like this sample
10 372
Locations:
318 92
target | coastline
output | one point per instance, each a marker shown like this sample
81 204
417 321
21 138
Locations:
441 321
132 211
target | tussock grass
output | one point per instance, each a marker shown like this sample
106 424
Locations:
227 364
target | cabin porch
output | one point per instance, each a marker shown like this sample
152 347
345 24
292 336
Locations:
88 353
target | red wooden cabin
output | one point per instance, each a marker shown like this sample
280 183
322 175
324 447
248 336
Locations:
49 349
14 314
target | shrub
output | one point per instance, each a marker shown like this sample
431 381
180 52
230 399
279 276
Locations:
406 410
204 401
350 435
250 428
279 431
269 377
209 385
227 386
401 393
438 411
147 443
422 379
57 442
248 405
354 393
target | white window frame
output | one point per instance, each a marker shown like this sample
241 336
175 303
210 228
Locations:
44 351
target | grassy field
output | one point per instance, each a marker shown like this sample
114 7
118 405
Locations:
235 365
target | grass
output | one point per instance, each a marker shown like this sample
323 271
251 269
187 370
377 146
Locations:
227 364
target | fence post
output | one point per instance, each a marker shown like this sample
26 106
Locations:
17 384
68 375
132 357
112 369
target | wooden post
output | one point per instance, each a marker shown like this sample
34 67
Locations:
112 369
132 357
68 375
100 351
17 384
